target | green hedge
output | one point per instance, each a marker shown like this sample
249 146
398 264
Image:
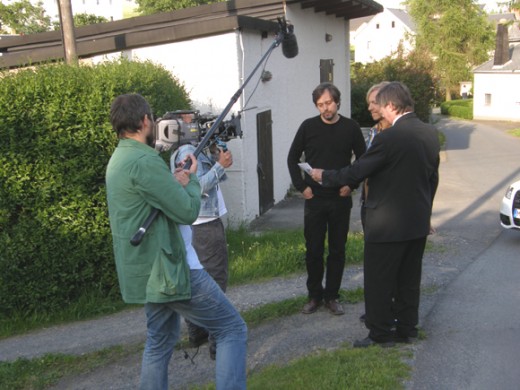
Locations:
55 241
412 69
458 108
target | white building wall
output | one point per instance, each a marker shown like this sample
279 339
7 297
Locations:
301 75
503 102
373 44
208 68
214 68
288 96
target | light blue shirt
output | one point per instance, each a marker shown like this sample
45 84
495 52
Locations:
191 255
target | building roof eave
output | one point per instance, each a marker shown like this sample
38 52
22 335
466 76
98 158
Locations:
168 27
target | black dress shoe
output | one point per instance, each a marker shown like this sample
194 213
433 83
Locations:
311 306
409 337
405 339
368 342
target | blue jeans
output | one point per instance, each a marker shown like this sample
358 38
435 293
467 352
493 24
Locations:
208 308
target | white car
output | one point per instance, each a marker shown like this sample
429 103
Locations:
510 208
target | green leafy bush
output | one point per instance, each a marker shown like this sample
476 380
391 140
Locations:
56 141
458 108
413 69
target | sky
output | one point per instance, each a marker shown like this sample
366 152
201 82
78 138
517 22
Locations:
490 5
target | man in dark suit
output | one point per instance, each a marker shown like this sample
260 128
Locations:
402 168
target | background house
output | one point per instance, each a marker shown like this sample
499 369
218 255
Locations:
376 37
496 84
213 49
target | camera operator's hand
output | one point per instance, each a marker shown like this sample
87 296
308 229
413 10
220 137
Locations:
193 166
225 158
182 176
194 163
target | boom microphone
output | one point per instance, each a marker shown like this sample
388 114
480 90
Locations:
289 44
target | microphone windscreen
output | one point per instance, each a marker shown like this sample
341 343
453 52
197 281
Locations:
289 45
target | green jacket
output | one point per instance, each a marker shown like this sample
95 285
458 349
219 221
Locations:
138 180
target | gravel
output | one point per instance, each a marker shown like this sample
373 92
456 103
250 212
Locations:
276 342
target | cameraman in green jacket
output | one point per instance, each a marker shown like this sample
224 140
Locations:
164 272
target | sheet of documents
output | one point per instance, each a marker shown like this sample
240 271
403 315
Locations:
305 167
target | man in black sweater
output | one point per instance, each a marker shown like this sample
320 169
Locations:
327 141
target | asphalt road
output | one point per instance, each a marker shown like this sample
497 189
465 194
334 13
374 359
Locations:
472 330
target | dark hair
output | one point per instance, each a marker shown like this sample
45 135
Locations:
320 90
398 94
127 113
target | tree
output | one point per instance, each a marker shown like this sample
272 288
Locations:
22 17
83 19
148 7
412 69
456 34
510 5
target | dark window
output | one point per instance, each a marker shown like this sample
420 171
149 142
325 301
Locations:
326 71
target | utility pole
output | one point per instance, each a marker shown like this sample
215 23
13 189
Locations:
68 38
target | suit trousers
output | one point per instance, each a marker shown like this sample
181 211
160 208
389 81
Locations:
322 217
392 277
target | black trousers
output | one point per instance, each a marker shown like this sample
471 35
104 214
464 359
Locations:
392 273
322 217
209 241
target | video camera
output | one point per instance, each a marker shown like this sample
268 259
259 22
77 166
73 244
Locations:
176 128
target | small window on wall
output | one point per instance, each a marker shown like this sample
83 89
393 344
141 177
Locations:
377 26
487 99
393 24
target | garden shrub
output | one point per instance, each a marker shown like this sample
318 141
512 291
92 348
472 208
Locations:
413 69
55 241
462 108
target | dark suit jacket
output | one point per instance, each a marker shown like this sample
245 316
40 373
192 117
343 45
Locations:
402 170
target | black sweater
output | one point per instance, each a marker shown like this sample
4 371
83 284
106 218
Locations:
326 146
